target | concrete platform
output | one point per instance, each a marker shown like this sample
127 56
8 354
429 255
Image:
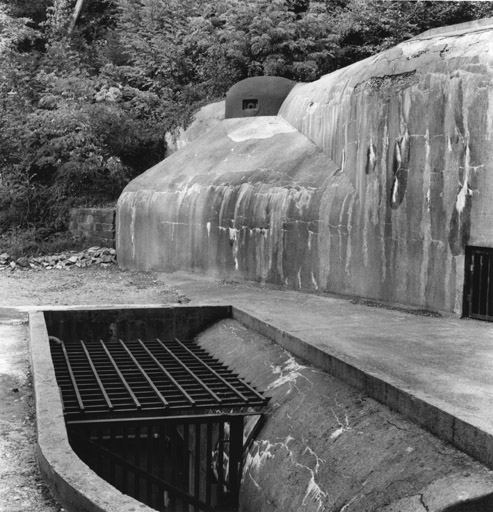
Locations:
436 371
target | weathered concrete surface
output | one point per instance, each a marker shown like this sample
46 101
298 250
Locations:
412 130
438 372
397 180
327 447
233 201
207 117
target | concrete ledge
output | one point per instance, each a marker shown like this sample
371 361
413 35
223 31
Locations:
469 438
73 483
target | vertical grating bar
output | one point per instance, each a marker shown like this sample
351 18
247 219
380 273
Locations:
113 449
122 378
185 367
186 459
208 464
170 377
220 459
96 375
480 284
490 284
72 378
137 462
196 490
99 437
125 456
150 453
476 280
144 374
176 462
235 457
486 278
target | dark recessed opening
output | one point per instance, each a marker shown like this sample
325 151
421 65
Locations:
250 104
478 283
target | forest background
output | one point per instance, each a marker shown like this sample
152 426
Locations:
85 106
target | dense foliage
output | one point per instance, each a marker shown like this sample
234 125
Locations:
84 110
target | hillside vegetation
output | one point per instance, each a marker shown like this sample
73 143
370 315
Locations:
86 100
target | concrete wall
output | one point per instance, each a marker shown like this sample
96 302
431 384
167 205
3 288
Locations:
326 447
370 182
97 225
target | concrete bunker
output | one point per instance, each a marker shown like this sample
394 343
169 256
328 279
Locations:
370 182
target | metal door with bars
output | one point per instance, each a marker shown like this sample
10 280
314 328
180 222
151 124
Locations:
478 284
162 421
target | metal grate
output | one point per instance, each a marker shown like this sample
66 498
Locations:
478 283
121 379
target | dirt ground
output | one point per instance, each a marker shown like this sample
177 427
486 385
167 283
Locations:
101 285
21 486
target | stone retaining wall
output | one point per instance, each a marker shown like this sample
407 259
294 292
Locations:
95 224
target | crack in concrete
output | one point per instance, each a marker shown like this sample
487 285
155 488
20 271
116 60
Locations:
422 501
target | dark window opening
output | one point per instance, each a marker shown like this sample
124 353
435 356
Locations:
478 283
250 104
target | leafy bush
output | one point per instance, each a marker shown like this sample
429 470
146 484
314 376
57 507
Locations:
83 112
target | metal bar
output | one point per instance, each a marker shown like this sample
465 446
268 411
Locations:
222 379
142 371
488 289
95 372
125 455
480 284
72 378
112 448
208 464
482 317
143 474
138 453
235 459
196 490
186 458
195 418
170 377
100 466
122 378
221 484
185 367
150 453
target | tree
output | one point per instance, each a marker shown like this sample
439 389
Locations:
89 88
366 27
77 10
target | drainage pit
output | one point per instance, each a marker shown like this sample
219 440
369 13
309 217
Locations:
149 410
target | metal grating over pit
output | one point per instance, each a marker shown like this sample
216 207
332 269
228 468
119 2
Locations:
124 379
152 412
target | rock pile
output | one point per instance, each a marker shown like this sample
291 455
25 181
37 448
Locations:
93 256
